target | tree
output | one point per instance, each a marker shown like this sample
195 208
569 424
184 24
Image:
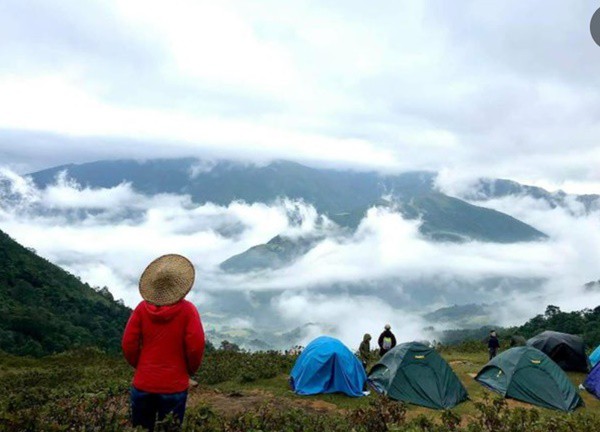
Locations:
229 346
551 311
209 347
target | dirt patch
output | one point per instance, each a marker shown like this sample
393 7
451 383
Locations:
230 404
316 405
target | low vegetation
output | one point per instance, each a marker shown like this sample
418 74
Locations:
87 390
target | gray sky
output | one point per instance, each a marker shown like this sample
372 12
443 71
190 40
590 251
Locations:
499 88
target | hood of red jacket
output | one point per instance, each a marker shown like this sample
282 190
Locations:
163 313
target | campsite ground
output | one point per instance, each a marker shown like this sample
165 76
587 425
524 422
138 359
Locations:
465 365
80 388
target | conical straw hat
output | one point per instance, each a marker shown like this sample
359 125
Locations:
167 280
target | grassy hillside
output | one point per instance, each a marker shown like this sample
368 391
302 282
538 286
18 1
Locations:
276 253
46 310
240 392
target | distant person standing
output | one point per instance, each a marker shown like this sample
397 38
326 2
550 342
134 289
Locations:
386 341
364 351
493 344
163 341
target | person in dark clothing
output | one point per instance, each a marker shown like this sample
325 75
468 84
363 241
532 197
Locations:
493 344
386 341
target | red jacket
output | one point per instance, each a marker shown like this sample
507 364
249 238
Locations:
165 345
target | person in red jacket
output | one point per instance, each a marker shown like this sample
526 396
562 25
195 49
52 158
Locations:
163 341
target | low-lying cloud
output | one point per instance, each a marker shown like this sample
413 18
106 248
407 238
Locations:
348 284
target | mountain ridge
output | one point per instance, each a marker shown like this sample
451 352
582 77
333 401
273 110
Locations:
487 188
342 196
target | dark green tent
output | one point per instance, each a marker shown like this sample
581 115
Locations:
529 375
417 374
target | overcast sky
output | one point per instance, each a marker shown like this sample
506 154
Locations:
500 88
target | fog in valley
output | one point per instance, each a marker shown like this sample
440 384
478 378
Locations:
348 284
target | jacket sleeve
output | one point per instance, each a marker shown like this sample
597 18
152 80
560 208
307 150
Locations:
393 340
132 338
194 341
380 341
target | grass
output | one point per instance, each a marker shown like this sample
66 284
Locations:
279 387
64 387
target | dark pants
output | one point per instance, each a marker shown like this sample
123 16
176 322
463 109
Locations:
145 407
493 352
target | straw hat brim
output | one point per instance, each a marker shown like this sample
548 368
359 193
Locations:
167 280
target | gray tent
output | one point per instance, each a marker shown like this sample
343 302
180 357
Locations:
568 351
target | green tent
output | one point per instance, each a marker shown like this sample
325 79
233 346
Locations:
529 375
417 374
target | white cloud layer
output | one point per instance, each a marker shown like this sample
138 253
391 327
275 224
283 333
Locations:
385 272
346 315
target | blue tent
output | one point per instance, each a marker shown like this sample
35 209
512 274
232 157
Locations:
327 366
595 356
592 382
